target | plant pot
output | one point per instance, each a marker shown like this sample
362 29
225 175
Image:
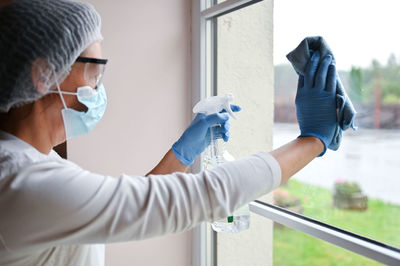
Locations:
296 208
355 201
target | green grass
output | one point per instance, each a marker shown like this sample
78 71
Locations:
381 221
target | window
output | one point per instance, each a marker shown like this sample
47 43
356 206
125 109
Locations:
329 188
232 52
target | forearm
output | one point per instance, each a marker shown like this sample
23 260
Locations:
295 155
291 157
168 165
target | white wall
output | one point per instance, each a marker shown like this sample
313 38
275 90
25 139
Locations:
245 68
147 82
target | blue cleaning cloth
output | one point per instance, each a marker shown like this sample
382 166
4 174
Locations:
346 112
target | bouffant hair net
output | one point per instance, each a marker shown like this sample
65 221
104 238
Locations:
39 42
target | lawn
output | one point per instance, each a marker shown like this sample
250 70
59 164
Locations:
381 221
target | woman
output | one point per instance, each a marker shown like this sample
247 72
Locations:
52 211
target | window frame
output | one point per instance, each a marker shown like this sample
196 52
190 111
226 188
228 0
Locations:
204 241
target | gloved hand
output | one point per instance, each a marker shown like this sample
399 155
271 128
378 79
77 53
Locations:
196 137
316 100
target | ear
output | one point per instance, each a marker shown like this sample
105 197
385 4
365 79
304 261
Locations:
42 75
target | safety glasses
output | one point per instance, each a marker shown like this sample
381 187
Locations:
94 69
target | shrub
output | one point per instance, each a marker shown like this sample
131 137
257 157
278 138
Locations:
346 188
282 198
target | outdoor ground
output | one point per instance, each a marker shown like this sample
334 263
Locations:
369 157
380 222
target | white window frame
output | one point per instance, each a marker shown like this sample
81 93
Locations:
203 241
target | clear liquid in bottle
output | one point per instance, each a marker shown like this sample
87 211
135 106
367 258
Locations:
217 154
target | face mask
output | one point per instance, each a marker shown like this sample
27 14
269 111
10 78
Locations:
78 123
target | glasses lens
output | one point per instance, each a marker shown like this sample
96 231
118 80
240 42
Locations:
94 73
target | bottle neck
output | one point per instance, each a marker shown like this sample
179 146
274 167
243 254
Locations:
214 136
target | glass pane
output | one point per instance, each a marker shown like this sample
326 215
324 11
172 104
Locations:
355 188
292 247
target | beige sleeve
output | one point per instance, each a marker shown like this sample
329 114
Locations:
55 203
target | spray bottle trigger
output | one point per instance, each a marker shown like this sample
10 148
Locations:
229 110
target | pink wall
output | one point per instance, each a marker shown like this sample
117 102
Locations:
148 86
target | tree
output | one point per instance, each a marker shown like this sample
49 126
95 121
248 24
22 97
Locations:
356 84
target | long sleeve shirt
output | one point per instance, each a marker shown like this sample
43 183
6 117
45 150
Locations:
53 212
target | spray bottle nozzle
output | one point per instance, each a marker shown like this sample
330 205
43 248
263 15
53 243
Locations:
215 104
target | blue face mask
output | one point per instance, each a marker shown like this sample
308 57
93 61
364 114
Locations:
78 123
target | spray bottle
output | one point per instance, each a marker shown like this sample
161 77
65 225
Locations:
217 154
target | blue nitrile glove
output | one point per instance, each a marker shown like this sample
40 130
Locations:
316 100
299 58
196 137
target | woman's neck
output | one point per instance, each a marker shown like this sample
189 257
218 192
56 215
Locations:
30 124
